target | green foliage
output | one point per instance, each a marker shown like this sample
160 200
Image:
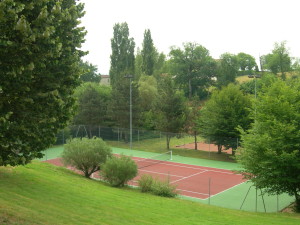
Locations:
89 72
279 60
164 188
148 93
93 102
193 67
119 108
158 187
39 70
222 114
148 54
261 84
227 71
85 154
271 151
170 109
146 182
119 170
246 61
122 57
72 200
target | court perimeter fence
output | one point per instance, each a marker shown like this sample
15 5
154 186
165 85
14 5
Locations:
120 137
242 197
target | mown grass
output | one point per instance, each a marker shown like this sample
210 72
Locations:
158 145
41 193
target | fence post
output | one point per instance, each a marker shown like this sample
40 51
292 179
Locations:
63 136
209 190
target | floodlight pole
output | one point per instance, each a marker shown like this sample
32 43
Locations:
130 107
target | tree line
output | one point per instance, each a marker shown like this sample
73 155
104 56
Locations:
188 90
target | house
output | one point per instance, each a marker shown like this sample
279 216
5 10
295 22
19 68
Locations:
105 80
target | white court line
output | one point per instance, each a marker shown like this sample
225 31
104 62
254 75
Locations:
189 176
191 192
227 189
188 167
149 171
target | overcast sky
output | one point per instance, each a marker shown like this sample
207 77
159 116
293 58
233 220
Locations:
250 26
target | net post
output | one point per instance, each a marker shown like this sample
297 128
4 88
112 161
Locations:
171 154
209 182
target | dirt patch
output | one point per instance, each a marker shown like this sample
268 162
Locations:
204 147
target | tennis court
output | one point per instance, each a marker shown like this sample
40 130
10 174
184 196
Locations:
197 179
193 181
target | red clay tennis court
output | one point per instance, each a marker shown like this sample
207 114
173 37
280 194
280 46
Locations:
192 181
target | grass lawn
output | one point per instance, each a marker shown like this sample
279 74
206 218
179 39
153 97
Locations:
41 193
158 145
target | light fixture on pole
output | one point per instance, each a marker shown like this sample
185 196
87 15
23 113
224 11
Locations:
130 107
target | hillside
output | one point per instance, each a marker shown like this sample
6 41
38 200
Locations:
41 193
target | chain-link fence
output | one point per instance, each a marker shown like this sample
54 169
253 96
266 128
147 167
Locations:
147 139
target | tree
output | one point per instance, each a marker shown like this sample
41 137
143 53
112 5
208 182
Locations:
39 70
246 61
191 126
148 54
227 69
170 109
270 152
86 155
148 92
279 61
193 68
93 101
89 72
122 57
119 108
222 114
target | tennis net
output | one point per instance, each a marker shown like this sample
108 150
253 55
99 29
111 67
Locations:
154 160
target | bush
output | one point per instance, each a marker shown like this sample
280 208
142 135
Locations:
146 182
86 154
119 170
161 188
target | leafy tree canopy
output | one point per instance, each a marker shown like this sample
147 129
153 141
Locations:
223 113
39 69
192 67
227 71
279 61
246 61
89 72
122 57
270 150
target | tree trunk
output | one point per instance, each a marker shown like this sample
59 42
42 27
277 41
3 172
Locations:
168 141
219 149
196 143
190 89
297 197
233 151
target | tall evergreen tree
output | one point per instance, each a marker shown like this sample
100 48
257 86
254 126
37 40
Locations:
148 54
122 57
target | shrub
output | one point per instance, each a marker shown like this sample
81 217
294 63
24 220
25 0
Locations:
119 170
164 188
145 182
161 188
86 154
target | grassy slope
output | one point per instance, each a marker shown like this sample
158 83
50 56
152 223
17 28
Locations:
44 194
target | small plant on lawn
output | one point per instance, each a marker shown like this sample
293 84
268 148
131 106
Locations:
119 170
161 188
86 154
146 182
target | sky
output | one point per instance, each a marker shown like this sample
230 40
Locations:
249 26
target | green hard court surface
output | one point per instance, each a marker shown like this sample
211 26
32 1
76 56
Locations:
243 196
